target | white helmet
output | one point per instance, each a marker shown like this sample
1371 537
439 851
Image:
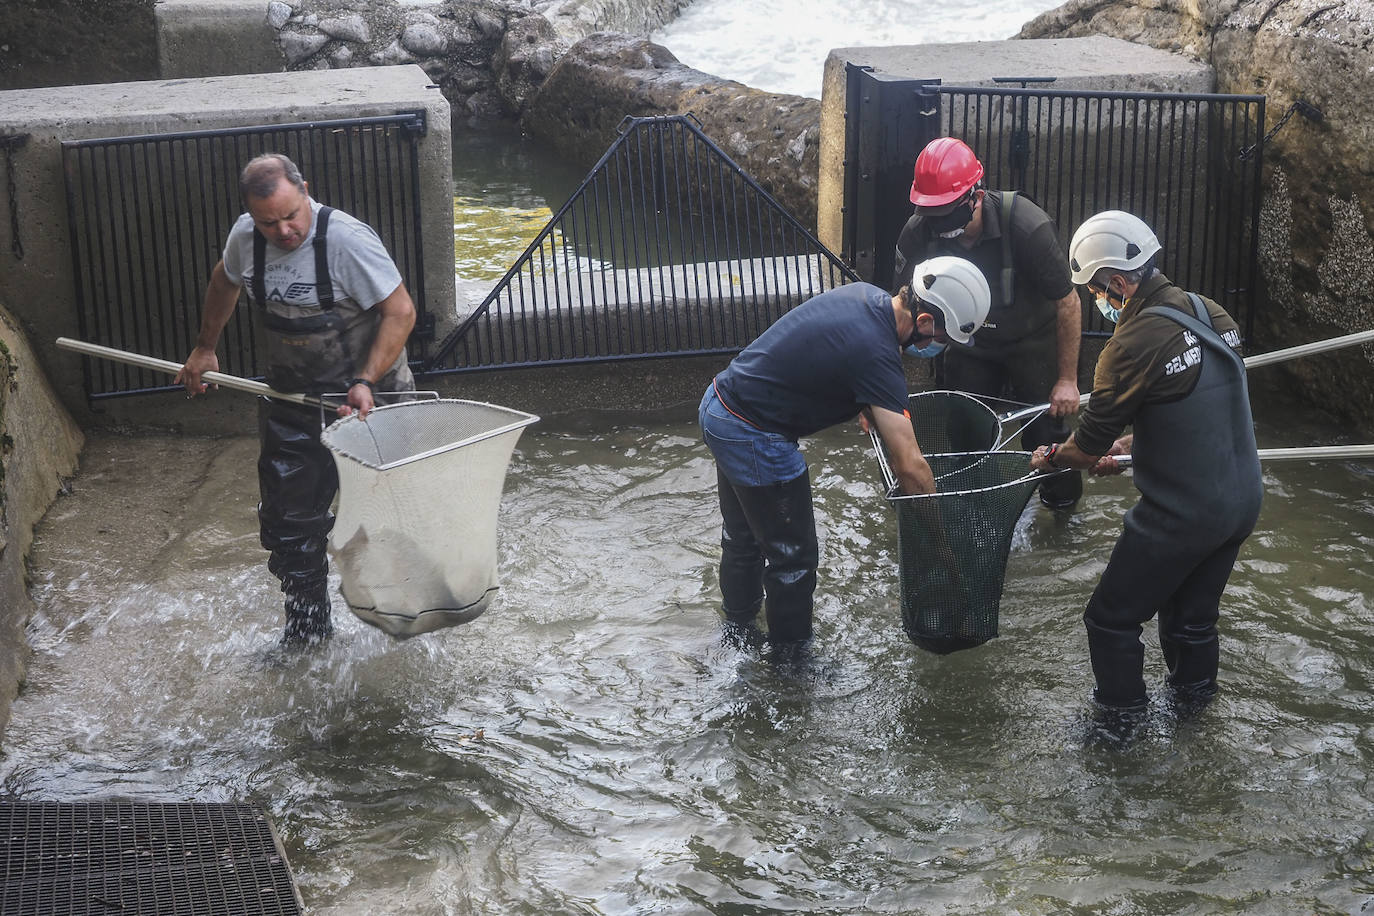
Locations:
1112 238
957 288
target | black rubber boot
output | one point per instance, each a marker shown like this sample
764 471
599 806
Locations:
741 559
307 615
297 481
784 527
1192 657
1118 660
1062 491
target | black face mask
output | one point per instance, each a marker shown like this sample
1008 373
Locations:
957 218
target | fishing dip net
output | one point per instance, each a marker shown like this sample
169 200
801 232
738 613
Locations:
954 421
419 490
952 545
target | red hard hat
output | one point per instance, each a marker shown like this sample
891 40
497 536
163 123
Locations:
945 171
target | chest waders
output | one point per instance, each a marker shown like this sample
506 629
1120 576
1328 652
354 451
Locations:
297 477
1198 473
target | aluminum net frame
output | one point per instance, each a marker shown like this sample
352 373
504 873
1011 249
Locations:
955 421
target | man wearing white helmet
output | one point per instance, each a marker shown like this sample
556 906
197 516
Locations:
821 364
1173 372
1028 350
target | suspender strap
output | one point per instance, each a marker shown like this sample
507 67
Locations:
1008 265
1201 325
259 264
324 285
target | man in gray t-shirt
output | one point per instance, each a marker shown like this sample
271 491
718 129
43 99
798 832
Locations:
336 316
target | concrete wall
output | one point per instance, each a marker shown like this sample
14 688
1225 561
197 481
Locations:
38 448
1097 63
215 38
39 286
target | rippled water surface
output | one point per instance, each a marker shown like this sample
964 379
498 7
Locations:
593 745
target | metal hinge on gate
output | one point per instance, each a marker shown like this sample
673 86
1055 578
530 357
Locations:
416 123
1301 106
1020 138
9 143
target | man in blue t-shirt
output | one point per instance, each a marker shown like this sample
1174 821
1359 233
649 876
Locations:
821 364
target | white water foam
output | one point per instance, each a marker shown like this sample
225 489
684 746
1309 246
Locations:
781 45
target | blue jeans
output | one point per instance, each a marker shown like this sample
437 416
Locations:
768 534
745 454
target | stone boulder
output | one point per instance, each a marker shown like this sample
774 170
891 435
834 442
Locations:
527 54
608 76
1317 247
487 56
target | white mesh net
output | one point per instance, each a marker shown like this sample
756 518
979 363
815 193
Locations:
419 491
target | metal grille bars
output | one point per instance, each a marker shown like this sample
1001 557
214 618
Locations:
149 215
1187 164
666 249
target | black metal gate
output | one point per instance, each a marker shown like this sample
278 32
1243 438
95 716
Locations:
666 249
149 215
1187 164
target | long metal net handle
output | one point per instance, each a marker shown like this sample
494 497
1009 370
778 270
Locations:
1251 362
1300 453
416 395
233 382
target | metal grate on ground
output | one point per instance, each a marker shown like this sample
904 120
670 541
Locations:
188 859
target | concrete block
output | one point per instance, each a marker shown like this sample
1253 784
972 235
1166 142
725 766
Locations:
42 445
1095 63
39 286
215 38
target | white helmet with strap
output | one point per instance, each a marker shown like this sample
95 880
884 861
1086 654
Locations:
1114 239
958 289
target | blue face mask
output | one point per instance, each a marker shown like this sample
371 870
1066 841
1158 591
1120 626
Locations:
932 349
1109 312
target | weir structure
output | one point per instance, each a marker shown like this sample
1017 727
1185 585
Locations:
667 249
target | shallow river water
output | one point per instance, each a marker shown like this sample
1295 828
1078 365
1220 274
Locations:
593 745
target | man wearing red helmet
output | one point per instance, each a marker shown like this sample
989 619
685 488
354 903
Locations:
1028 349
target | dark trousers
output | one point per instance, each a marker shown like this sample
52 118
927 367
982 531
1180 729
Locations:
1026 374
297 481
769 554
1150 574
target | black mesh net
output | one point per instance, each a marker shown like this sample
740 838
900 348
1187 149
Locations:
951 421
952 546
